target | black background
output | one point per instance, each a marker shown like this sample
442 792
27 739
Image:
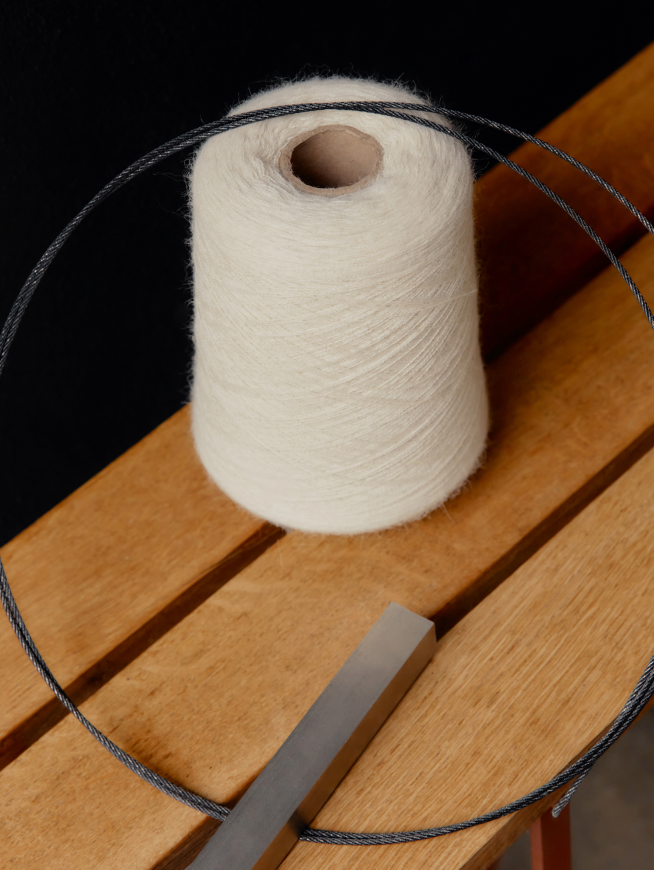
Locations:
103 354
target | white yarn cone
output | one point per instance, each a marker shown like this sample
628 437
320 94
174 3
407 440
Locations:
338 384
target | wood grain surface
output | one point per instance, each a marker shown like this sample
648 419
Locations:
532 255
211 700
515 691
96 576
151 531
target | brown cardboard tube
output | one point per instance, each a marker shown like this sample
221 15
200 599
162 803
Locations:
331 160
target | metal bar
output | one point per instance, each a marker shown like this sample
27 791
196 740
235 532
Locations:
294 785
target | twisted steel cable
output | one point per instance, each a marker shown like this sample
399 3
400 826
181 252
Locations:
644 688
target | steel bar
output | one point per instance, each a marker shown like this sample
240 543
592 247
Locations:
294 785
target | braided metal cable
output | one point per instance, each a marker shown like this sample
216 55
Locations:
643 690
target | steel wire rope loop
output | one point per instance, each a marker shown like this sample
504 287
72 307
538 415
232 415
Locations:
644 688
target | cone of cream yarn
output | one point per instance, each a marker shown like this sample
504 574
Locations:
338 385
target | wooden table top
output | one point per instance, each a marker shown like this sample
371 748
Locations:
196 636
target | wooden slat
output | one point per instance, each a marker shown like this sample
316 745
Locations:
150 530
96 577
572 406
531 253
515 692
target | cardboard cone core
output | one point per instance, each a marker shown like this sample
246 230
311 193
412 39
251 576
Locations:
331 160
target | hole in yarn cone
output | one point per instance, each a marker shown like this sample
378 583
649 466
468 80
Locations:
332 160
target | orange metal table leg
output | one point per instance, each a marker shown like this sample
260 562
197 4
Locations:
550 842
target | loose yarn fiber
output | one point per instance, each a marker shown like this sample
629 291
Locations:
338 385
